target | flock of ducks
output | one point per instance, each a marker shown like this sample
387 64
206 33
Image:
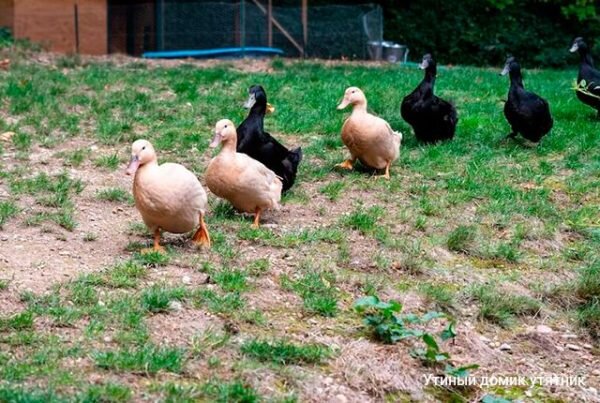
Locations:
252 169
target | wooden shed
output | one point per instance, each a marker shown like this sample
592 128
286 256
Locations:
65 26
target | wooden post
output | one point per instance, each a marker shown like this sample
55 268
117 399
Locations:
76 15
280 27
270 23
304 25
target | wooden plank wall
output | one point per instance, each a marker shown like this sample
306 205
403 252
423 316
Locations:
7 13
52 23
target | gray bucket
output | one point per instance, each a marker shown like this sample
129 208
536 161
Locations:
395 53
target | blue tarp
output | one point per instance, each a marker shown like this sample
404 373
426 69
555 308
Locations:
219 52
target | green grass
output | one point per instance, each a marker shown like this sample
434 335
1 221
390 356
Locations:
115 195
18 321
501 307
146 359
317 292
476 210
461 239
587 289
363 220
110 162
158 297
285 353
8 209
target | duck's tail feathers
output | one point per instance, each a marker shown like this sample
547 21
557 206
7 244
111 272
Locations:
398 138
295 156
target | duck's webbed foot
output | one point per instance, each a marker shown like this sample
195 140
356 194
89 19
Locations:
386 175
348 164
201 237
156 247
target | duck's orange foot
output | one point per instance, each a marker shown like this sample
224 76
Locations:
201 237
345 165
256 222
383 176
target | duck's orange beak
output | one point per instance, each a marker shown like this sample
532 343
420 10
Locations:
216 140
270 108
344 104
133 166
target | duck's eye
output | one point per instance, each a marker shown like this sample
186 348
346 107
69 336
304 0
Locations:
225 126
143 148
353 92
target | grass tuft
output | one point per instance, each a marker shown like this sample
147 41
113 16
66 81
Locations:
284 353
145 359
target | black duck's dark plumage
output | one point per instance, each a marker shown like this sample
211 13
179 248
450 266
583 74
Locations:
589 74
260 145
526 112
431 118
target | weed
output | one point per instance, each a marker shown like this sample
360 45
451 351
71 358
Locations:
110 162
158 297
318 294
19 321
333 190
461 239
501 307
284 353
8 209
363 220
115 195
145 359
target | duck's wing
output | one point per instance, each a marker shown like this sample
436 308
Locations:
247 134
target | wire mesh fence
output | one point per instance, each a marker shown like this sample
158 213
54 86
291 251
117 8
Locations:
331 31
137 26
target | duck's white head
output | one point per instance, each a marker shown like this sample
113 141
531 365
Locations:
352 96
224 133
142 153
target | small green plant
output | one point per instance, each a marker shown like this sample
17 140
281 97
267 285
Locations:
145 359
19 321
225 392
442 295
333 190
124 275
284 353
587 289
115 195
258 267
158 297
111 162
208 341
108 392
318 294
364 220
501 307
8 209
75 158
461 239
390 326
153 258
3 285
230 280
227 303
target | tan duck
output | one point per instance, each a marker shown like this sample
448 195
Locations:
168 196
246 183
368 137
